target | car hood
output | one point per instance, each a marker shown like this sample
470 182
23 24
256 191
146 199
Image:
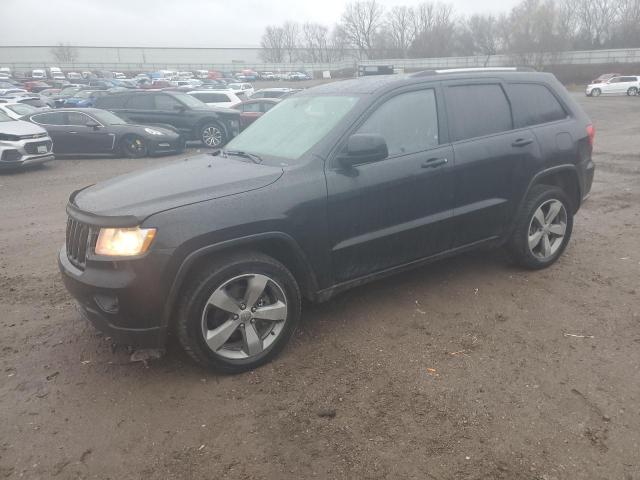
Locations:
140 194
20 127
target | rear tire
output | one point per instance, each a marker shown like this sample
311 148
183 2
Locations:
542 227
222 314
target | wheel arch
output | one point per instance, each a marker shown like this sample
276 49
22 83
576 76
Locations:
277 245
200 125
562 176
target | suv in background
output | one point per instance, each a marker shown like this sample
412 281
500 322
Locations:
216 98
629 84
326 193
192 118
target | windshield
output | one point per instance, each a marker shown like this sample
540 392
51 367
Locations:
108 118
189 100
292 127
4 117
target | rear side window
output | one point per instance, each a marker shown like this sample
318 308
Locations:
111 101
212 97
534 104
140 102
408 122
478 110
251 107
165 102
53 118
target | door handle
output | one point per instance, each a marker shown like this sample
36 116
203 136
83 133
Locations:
72 132
522 142
434 162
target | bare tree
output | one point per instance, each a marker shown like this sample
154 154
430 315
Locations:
360 22
64 53
400 25
597 18
272 44
316 42
291 39
627 32
434 30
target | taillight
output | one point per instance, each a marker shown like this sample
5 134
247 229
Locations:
591 132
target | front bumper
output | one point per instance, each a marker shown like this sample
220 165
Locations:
124 303
165 145
26 152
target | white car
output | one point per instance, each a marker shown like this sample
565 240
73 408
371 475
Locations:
119 76
74 76
242 89
38 74
217 98
624 84
23 143
17 110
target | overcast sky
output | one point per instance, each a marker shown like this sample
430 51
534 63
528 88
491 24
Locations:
174 23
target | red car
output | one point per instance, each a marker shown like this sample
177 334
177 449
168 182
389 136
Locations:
36 86
251 110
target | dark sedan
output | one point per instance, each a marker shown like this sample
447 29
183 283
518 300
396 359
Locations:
94 131
251 110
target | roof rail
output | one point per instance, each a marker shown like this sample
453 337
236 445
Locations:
427 73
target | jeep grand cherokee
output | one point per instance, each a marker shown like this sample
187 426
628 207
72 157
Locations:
339 185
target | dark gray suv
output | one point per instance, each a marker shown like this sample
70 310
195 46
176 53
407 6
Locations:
337 186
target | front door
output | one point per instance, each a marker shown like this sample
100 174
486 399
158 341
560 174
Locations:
396 210
86 135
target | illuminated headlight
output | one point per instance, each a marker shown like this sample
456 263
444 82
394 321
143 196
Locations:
151 131
124 242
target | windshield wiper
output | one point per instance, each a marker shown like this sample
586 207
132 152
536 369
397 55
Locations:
239 153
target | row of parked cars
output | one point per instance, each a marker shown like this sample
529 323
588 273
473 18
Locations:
132 123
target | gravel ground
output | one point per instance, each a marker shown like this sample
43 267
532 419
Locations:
466 369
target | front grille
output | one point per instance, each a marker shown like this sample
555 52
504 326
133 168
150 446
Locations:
32 148
81 239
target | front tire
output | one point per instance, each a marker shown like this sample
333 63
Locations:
542 227
632 91
239 313
213 135
134 146
596 92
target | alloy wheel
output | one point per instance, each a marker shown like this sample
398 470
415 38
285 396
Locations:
547 229
244 316
212 136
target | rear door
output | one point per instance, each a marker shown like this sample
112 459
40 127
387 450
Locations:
168 110
491 158
396 210
139 108
55 125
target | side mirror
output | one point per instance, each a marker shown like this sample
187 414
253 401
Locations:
364 148
93 125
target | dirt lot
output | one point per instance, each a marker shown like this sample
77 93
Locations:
467 369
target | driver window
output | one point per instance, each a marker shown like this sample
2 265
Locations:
165 102
78 119
408 122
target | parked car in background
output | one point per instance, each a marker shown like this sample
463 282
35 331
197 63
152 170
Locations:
605 76
22 144
74 76
267 76
192 118
38 74
65 93
119 76
214 84
250 110
629 85
18 110
188 84
36 86
202 74
216 98
247 75
50 92
274 92
84 98
34 100
5 71
298 76
93 131
243 90
7 88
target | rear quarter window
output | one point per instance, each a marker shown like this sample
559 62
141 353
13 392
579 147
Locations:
534 104
477 110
